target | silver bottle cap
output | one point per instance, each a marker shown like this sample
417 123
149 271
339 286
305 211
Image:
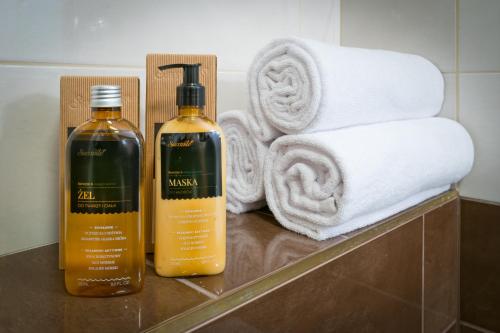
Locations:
104 96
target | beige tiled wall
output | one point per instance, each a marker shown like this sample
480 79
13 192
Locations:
462 37
480 114
425 27
479 93
29 123
479 35
41 41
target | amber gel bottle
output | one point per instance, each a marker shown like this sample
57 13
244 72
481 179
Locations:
190 161
104 241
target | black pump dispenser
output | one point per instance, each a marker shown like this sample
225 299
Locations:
190 92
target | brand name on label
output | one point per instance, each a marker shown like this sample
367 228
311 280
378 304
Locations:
96 152
186 143
183 182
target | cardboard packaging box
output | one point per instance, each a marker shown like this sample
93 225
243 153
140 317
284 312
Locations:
161 107
75 109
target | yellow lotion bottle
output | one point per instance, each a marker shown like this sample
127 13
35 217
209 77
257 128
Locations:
190 162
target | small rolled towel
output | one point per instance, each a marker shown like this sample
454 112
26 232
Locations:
303 86
245 161
329 183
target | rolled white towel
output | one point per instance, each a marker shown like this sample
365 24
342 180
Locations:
329 183
302 86
245 161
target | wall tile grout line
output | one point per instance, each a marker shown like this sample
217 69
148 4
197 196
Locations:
96 66
481 201
447 329
27 249
480 72
198 288
458 225
475 327
423 275
457 59
67 65
340 22
337 17
301 17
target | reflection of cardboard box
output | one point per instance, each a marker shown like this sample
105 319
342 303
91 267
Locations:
75 109
161 107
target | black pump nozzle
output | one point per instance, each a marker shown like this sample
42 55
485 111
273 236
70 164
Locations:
190 92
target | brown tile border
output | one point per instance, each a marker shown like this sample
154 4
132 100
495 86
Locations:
480 265
375 287
214 309
257 246
160 312
440 268
480 201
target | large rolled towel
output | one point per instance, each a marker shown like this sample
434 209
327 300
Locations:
245 160
303 86
329 183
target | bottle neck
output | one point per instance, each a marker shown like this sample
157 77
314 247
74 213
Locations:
107 113
190 111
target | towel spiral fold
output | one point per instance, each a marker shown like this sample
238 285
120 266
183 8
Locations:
245 159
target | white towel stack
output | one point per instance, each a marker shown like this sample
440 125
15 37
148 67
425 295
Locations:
346 146
302 86
328 183
245 163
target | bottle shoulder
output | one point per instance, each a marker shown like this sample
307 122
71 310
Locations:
96 130
188 124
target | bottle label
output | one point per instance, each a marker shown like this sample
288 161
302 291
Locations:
105 176
191 165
